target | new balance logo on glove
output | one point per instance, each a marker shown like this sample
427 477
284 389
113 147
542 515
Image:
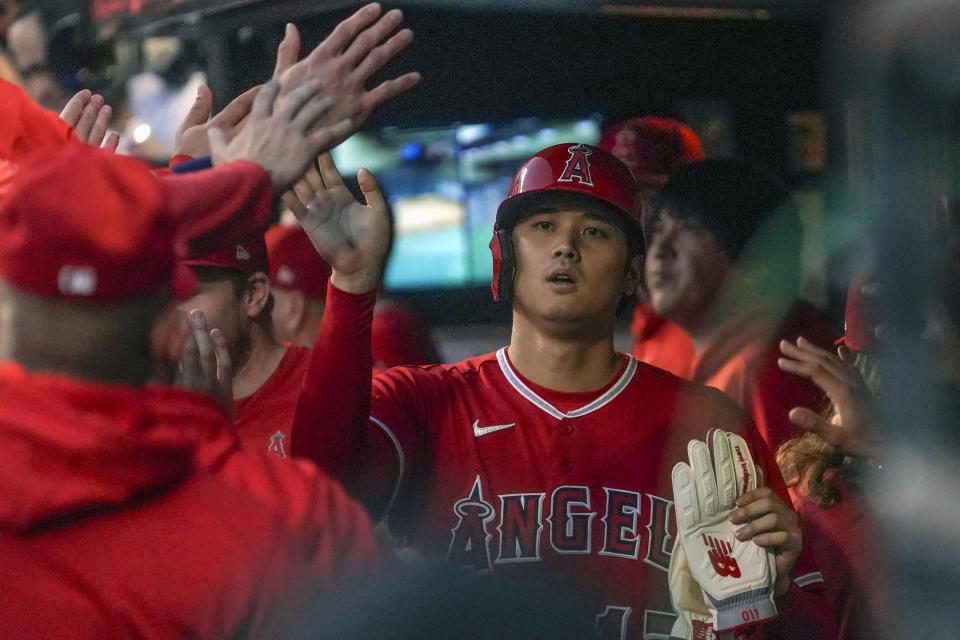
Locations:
720 558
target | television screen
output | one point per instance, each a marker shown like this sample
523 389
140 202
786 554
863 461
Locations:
445 184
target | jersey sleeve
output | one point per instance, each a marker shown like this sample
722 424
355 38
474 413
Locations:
332 425
218 206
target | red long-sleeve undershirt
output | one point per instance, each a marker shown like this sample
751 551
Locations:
331 425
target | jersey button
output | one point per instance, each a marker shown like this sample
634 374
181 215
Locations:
566 429
566 465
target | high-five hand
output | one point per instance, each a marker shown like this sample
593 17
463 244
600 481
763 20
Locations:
281 138
345 61
353 237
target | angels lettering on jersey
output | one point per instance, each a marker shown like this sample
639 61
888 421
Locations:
520 527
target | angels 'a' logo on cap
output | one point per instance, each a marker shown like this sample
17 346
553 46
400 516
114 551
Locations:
77 281
285 275
578 166
242 253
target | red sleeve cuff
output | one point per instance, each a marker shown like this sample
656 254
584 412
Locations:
179 158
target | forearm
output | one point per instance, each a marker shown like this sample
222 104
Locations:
223 204
334 402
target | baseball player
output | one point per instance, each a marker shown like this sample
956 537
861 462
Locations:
654 148
126 508
723 264
234 295
552 456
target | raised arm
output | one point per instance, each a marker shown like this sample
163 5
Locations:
331 425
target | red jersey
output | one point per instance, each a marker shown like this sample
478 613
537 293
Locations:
109 527
263 420
492 472
844 544
659 342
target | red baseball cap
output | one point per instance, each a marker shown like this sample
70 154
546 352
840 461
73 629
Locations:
654 148
294 263
248 256
82 223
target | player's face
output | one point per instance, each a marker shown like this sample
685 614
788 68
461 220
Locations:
571 265
684 269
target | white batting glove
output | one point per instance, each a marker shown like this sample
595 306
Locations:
694 620
737 578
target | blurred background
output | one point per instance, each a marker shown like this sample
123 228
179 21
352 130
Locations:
853 105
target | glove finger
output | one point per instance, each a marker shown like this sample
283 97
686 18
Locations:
704 476
685 499
743 462
724 469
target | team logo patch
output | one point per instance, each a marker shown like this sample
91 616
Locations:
578 166
276 444
723 563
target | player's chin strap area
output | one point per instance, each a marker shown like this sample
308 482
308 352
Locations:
501 247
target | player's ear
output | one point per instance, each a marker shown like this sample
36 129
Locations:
257 295
632 275
296 313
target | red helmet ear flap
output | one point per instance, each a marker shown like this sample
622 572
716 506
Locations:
503 264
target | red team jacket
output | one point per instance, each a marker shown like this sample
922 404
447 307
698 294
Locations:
109 527
741 361
491 472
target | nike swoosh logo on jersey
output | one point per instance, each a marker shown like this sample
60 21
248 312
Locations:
482 431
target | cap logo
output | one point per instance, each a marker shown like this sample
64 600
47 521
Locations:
285 275
77 281
578 166
242 254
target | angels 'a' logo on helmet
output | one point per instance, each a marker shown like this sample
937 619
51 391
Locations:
578 166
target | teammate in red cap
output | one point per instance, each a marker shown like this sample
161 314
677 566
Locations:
654 148
550 457
126 507
299 279
234 294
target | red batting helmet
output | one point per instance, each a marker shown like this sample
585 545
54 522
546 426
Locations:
579 170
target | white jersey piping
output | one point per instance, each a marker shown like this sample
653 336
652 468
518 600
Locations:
400 463
545 406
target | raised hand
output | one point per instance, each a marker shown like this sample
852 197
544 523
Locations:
191 138
205 363
356 49
283 139
354 238
849 429
90 117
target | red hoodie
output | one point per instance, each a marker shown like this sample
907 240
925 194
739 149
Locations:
130 513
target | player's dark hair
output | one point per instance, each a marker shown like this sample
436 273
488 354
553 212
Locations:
239 281
749 213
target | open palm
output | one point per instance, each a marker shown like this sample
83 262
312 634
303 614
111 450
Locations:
353 237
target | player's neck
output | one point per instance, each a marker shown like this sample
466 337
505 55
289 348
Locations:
562 363
265 355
